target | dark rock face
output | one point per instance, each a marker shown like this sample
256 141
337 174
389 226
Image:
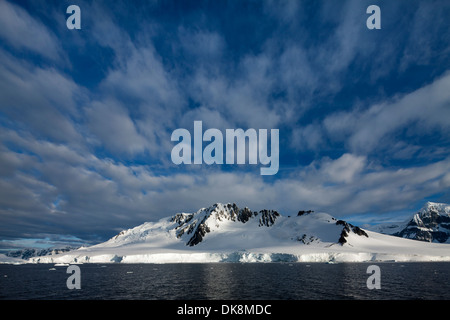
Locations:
268 217
307 240
431 224
342 239
348 227
359 231
244 214
120 234
427 229
198 233
302 212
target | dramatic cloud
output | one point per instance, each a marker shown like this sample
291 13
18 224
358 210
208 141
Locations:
86 115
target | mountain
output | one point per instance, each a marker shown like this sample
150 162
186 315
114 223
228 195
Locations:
430 224
227 233
28 253
194 227
209 227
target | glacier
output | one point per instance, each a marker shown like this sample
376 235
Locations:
227 233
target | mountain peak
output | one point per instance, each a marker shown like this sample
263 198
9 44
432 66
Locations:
431 224
195 226
439 208
226 224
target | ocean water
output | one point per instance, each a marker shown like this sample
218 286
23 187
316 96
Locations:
227 281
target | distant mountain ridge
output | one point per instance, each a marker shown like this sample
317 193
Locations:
227 233
431 224
28 253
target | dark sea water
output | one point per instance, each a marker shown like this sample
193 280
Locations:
227 281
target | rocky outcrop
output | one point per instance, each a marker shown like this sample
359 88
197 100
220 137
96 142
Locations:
348 227
267 218
302 212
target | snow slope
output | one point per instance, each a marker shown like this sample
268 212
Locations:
4 259
226 233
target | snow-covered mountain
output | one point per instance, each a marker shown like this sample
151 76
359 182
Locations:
28 253
227 226
224 233
23 255
430 224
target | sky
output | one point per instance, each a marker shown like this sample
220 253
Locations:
86 115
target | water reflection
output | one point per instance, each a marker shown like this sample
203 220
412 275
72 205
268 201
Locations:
228 281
